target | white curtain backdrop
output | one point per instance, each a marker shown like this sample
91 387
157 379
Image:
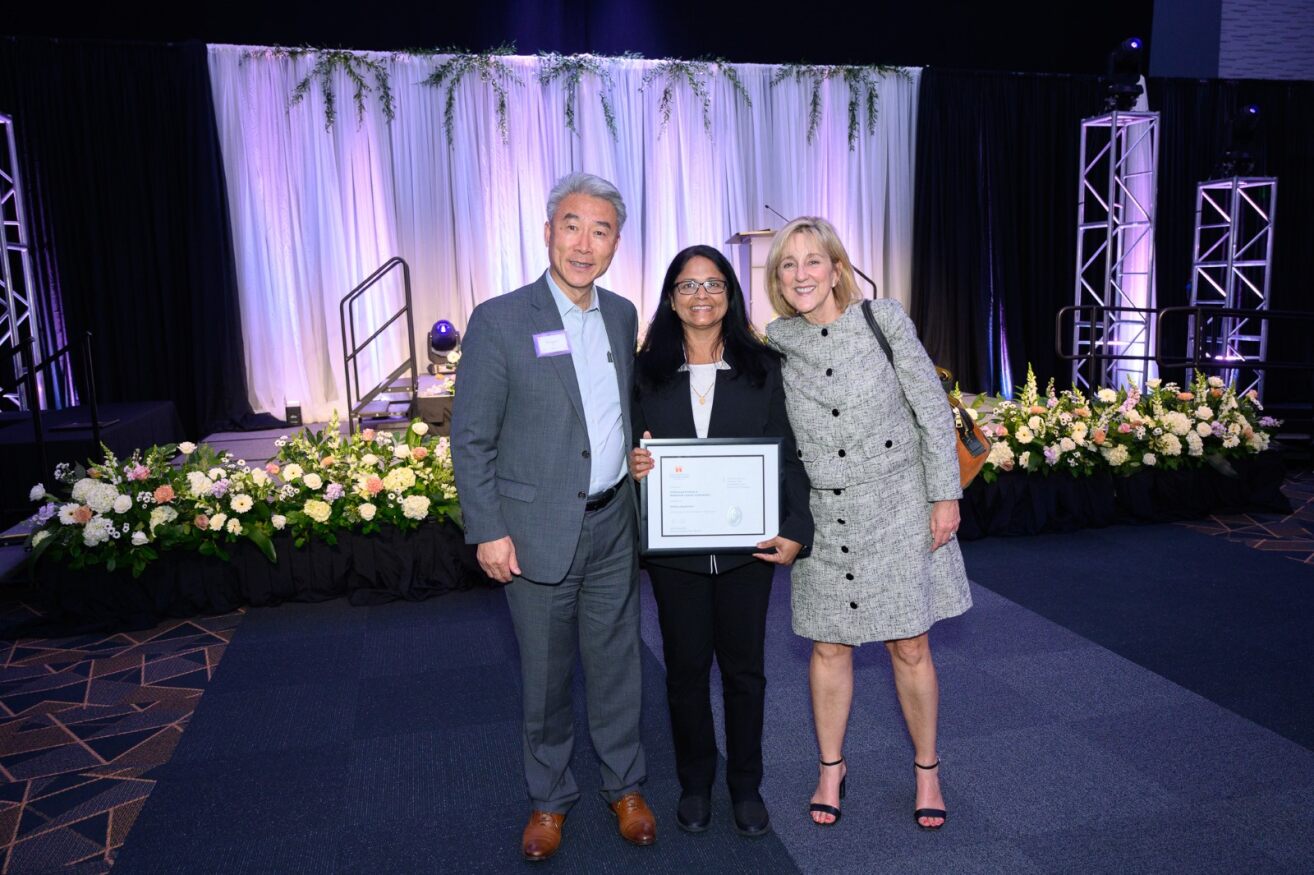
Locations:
314 212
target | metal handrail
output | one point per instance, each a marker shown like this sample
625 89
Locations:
351 350
1196 360
32 368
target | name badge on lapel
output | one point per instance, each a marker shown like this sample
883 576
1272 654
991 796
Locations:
551 343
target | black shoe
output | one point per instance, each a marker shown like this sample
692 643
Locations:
929 812
751 818
831 809
694 813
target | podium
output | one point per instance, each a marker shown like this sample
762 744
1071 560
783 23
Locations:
749 260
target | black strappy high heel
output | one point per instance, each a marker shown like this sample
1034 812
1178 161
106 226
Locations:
830 809
929 812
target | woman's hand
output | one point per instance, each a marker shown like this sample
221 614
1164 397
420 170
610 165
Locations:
786 550
640 460
944 523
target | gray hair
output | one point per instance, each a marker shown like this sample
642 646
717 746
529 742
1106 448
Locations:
586 183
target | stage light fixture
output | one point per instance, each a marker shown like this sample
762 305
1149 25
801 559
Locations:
1239 158
444 345
1122 79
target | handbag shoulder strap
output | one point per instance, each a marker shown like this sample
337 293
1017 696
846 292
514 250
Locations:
876 329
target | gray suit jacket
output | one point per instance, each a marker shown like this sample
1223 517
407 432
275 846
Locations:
520 446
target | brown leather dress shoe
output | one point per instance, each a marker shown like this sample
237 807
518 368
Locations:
542 835
637 823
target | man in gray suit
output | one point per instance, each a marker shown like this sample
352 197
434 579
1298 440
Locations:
540 429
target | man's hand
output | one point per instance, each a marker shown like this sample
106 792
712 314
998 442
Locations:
498 559
944 523
786 550
640 460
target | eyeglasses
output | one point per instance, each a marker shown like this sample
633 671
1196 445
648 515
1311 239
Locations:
691 287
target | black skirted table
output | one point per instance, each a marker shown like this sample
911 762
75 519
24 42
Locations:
1031 504
373 569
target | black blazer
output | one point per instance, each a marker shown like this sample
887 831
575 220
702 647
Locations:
739 410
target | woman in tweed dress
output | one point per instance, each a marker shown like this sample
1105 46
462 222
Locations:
878 444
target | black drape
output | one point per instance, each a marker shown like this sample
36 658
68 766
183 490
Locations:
995 212
995 204
120 158
1196 118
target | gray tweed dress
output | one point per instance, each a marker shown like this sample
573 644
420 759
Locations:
876 463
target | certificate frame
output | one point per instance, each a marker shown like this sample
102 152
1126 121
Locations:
681 500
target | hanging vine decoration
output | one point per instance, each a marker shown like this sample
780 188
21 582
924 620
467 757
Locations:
358 69
570 69
491 69
863 82
696 73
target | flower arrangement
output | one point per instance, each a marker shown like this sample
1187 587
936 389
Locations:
1163 425
124 514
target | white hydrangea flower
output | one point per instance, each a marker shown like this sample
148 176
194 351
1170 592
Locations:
186 448
318 511
399 480
415 507
81 488
367 511
98 531
139 539
101 497
1115 456
241 503
1000 454
198 484
161 515
278 521
313 480
1170 445
36 493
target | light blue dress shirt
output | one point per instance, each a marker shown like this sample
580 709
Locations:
595 371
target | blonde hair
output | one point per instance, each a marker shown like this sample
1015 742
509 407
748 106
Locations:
846 290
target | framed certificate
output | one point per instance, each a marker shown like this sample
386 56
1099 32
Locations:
714 495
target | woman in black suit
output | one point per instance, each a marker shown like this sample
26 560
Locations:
702 372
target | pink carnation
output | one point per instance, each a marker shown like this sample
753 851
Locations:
140 472
374 485
1124 428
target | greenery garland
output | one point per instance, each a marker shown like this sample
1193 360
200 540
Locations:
570 69
491 69
696 74
862 80
357 68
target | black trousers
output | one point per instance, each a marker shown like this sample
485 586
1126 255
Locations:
722 614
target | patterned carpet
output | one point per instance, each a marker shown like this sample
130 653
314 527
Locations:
1291 535
83 722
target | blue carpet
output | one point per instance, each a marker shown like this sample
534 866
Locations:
387 739
1230 623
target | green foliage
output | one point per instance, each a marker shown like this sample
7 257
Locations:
358 69
863 82
695 74
570 69
491 69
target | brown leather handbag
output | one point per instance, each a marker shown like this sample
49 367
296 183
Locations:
973 448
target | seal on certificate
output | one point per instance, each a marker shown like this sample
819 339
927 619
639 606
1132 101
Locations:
734 516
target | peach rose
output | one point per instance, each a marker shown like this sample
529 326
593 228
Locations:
82 515
1098 437
164 494
94 474
1253 395
367 434
327 462
1185 396
271 469
1038 408
1081 411
1217 393
419 453
202 521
